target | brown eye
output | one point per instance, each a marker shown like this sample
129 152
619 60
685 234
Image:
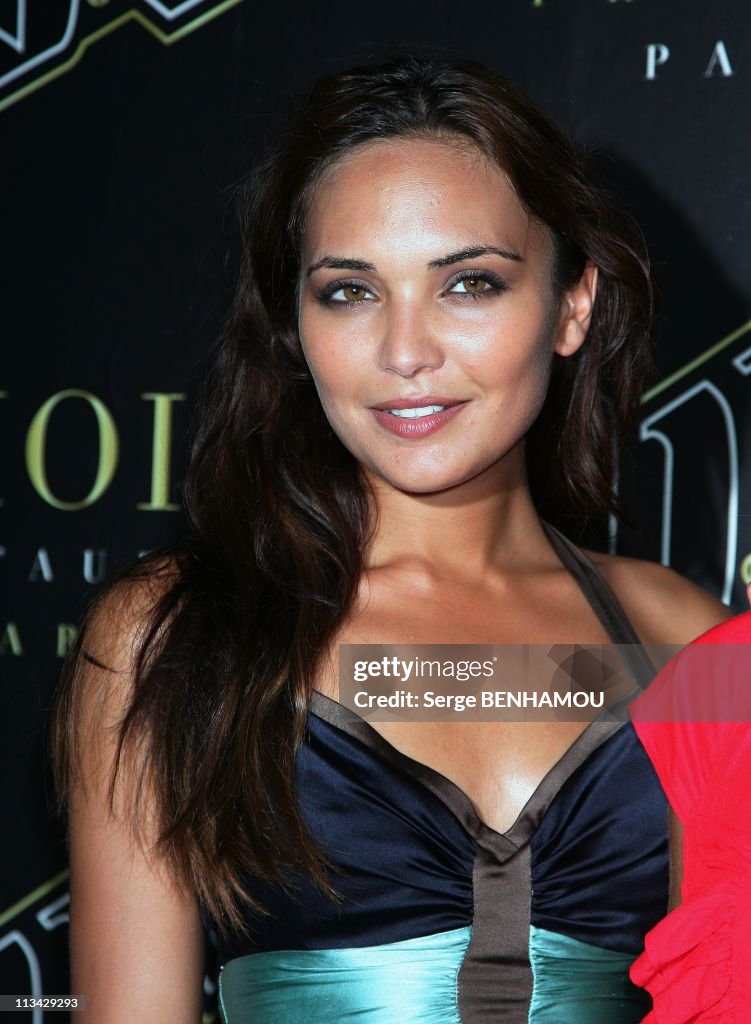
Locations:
474 285
478 284
344 294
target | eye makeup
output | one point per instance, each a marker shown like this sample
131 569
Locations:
496 284
352 286
325 294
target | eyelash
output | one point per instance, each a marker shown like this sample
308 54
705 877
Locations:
324 294
497 285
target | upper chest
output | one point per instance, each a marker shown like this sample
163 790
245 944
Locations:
497 764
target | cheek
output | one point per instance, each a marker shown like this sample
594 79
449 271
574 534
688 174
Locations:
518 357
537 373
326 383
333 382
541 363
317 352
334 354
517 377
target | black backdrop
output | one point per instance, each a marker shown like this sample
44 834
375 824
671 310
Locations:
123 127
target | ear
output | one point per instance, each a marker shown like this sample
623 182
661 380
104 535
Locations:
576 312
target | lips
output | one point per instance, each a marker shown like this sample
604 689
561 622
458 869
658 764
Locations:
417 416
418 402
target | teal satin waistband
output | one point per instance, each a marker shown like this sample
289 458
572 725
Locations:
578 983
411 982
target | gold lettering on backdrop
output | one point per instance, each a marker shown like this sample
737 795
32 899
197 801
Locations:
42 567
66 635
36 443
10 640
161 450
746 569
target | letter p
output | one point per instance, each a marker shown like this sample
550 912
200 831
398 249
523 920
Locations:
657 53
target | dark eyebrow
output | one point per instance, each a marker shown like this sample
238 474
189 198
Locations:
470 253
341 263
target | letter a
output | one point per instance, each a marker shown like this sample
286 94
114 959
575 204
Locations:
719 56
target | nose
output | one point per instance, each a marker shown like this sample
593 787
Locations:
409 342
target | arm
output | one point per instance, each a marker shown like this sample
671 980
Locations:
136 937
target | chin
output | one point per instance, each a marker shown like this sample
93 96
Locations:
421 481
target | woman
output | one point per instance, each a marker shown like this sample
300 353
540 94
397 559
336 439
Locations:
441 327
694 722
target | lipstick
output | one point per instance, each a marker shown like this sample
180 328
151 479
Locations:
416 416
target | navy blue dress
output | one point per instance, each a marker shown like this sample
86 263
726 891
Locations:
444 920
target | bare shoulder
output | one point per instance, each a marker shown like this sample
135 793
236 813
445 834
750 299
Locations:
663 606
119 620
120 876
97 685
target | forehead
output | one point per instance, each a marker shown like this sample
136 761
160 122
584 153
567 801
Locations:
417 192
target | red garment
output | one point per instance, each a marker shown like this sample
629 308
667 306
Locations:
695 723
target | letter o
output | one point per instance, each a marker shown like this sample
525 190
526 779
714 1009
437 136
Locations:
36 443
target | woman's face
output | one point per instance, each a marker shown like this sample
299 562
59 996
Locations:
427 314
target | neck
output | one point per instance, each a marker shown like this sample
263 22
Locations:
487 524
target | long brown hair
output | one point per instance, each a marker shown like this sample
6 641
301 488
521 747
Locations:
248 603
